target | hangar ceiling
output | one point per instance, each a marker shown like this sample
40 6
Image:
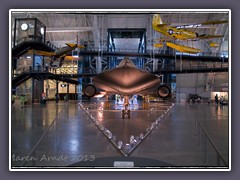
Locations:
92 28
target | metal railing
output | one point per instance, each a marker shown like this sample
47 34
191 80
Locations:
35 39
156 51
149 67
209 147
40 150
125 148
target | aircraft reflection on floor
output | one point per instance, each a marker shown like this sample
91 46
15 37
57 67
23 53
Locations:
126 134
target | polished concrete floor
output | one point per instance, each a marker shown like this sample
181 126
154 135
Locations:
66 133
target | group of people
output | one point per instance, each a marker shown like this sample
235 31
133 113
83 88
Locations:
218 100
46 67
22 99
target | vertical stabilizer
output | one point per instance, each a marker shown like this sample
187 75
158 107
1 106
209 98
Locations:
156 20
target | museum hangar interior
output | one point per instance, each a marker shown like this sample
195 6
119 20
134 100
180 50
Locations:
119 89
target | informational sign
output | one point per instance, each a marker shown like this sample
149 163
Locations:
122 164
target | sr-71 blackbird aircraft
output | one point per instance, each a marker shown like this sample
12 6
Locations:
126 80
182 32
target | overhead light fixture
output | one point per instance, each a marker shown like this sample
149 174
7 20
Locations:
42 30
24 26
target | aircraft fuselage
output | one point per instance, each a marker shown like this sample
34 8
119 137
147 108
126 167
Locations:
175 33
63 51
126 80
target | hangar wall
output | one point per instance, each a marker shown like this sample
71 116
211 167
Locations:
203 84
127 21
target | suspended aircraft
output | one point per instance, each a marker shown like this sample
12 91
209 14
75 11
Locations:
126 80
182 32
61 53
214 45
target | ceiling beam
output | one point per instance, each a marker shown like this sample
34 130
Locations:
68 29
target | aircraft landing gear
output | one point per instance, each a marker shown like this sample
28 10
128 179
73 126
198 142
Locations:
126 113
107 103
126 110
145 102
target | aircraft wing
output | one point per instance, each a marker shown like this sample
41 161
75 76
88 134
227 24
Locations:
214 22
162 25
208 36
158 45
187 26
74 45
41 53
214 45
182 48
71 58
80 46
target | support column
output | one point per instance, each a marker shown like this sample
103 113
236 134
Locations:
181 64
67 99
57 94
81 64
33 87
37 90
33 83
98 65
155 64
145 102
47 88
96 32
75 92
107 103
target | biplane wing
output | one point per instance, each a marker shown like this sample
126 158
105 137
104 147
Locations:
62 52
189 26
208 36
184 49
214 45
41 53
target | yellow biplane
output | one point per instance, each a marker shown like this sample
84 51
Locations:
59 53
182 32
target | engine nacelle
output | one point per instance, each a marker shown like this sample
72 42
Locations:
163 91
90 90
